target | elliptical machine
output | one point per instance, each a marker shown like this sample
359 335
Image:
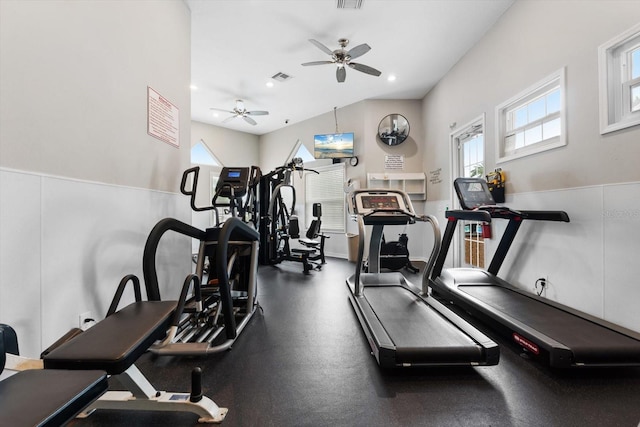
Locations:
222 294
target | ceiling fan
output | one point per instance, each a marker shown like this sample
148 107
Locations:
240 111
342 58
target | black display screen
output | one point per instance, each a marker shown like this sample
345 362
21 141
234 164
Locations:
380 202
473 193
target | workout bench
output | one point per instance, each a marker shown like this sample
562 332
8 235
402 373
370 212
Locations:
44 397
114 344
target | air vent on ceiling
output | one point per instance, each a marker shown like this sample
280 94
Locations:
281 77
349 4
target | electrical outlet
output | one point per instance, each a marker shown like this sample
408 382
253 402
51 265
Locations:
540 285
85 320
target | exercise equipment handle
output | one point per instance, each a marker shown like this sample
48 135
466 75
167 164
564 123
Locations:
240 231
118 295
151 247
196 385
195 171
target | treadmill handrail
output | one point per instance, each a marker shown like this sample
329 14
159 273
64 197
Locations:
478 215
560 216
485 214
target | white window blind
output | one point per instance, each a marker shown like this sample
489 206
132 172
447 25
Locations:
326 188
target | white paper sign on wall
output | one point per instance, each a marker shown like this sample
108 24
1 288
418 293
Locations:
163 118
394 161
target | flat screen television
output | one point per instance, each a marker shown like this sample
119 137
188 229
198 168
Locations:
333 146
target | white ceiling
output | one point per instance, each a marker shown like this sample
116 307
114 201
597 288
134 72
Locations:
238 45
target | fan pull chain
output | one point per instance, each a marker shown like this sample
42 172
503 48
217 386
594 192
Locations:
335 116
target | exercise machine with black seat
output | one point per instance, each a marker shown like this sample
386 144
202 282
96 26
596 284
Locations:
314 239
405 327
394 255
219 306
111 347
279 226
44 398
549 331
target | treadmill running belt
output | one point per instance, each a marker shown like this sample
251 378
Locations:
419 332
589 341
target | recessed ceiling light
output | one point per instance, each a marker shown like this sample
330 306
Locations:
216 115
391 78
269 84
193 87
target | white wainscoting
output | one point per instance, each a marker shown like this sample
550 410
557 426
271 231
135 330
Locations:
65 244
591 262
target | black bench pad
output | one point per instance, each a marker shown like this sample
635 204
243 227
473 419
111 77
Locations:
115 343
48 397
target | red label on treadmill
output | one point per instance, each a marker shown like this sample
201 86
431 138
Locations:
526 344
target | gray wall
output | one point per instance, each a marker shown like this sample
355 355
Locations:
530 41
81 181
361 118
594 178
74 89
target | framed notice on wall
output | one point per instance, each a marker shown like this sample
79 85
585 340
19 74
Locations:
163 118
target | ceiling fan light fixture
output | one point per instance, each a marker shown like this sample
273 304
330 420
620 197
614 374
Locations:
240 111
342 58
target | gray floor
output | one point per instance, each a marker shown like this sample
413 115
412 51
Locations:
304 361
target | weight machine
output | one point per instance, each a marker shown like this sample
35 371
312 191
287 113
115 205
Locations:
279 225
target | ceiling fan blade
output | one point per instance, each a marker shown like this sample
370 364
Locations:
341 74
321 47
224 111
317 63
249 120
364 69
228 119
258 113
359 50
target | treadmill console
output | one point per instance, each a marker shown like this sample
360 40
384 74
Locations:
382 201
473 193
382 206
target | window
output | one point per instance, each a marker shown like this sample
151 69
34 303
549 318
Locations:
326 188
299 150
468 157
202 155
534 120
619 69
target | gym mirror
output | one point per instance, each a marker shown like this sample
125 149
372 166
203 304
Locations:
393 129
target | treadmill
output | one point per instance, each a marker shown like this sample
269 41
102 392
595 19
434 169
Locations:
402 326
552 332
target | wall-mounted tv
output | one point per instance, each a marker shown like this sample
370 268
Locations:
333 146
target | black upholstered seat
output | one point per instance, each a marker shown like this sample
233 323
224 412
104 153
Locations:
44 397
115 343
49 397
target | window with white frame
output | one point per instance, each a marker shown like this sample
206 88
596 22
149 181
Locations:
326 188
619 70
534 120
